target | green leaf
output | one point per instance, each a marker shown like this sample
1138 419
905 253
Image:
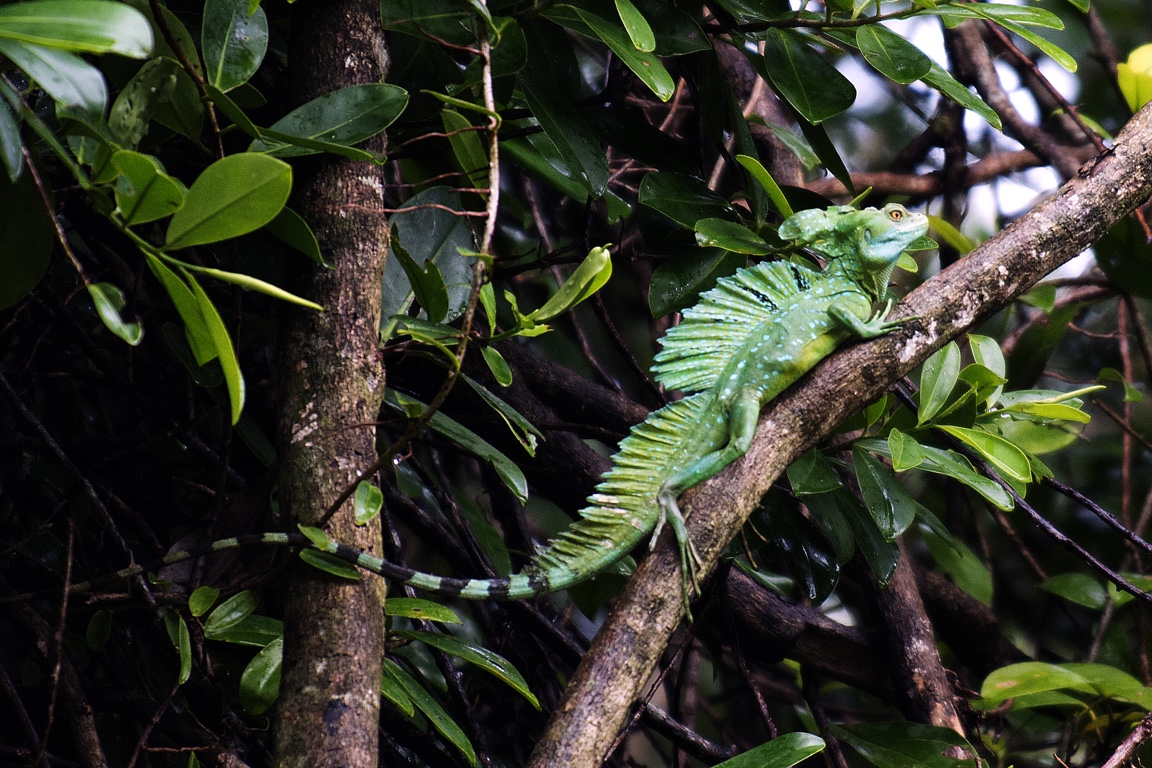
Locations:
85 26
431 709
26 238
315 535
1131 393
183 643
904 450
683 199
109 301
952 464
232 197
427 282
509 473
232 111
11 145
416 608
679 281
986 351
233 42
330 564
256 631
760 173
1079 588
367 502
143 191
1003 455
812 473
1055 52
394 692
98 630
196 330
526 434
637 26
588 278
889 503
902 744
214 324
719 233
249 283
290 227
891 55
497 365
951 88
492 663
260 680
343 117
1029 677
781 752
1014 14
644 65
546 164
562 123
467 147
957 560
1135 77
66 77
201 599
230 613
938 377
813 87
132 111
433 234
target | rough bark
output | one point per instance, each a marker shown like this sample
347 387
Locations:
333 383
615 671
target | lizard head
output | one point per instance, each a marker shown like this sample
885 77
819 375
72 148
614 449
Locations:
882 234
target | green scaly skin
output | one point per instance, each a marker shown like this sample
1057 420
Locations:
747 340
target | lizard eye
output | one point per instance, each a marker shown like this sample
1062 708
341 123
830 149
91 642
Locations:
896 214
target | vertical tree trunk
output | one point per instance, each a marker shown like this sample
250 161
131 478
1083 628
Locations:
333 383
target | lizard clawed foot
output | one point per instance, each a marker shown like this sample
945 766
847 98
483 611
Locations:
690 561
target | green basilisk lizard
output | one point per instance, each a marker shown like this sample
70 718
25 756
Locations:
746 340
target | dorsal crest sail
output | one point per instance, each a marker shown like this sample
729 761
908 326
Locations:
695 352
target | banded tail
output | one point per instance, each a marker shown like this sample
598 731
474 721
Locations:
623 511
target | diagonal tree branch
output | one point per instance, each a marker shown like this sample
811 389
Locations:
615 671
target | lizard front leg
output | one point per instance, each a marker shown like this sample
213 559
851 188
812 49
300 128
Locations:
871 328
742 412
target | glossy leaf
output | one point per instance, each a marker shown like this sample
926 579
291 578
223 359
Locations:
109 301
196 330
66 77
562 123
415 608
290 227
330 564
905 451
811 474
11 146
233 42
466 146
345 117
497 365
201 599
433 234
394 692
426 281
1055 52
1079 588
1003 455
986 351
232 197
781 752
527 154
132 111
940 79
679 281
764 178
937 378
1026 678
183 642
813 87
222 342
492 663
260 680
683 199
889 503
1017 14
593 272
902 744
367 502
26 238
84 26
524 431
645 65
143 191
957 560
230 612
952 464
730 236
637 26
1135 77
431 709
509 473
891 55
249 283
